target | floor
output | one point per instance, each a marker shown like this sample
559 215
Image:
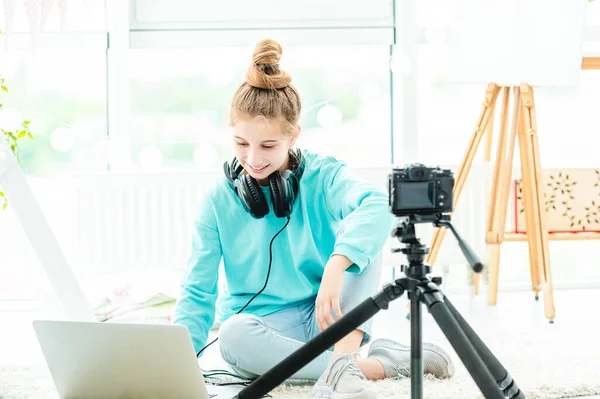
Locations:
18 344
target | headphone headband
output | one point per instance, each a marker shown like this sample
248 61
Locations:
283 186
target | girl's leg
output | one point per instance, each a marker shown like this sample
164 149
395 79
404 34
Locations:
355 289
345 375
252 345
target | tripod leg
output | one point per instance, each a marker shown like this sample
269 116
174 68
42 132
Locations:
536 205
465 350
416 349
499 373
488 108
499 199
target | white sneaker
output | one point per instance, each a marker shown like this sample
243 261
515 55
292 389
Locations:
395 359
343 380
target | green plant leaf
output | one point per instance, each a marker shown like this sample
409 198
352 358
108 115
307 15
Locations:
22 134
30 135
26 123
2 194
4 206
4 88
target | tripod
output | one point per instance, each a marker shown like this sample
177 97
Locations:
490 376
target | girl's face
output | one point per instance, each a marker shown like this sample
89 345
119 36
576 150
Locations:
261 147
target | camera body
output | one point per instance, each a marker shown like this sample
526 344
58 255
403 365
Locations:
420 190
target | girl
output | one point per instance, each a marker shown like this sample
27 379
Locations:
300 240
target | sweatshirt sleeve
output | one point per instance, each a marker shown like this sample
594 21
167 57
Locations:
363 208
195 307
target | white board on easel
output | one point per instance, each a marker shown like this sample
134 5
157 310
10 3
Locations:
510 42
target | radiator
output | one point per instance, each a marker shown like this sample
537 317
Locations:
144 220
135 221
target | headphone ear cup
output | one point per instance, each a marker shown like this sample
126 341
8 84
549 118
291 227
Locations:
253 197
282 206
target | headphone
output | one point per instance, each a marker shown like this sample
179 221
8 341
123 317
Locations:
283 187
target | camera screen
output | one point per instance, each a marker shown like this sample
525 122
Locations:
415 195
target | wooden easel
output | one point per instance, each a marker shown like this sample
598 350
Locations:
523 127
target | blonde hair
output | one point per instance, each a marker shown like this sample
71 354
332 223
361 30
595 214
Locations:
267 91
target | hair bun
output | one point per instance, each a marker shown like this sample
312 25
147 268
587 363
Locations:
265 72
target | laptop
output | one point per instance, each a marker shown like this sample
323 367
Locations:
117 360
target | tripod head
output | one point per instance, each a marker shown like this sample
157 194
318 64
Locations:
415 251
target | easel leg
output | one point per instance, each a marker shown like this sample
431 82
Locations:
489 136
493 274
534 204
500 193
492 235
529 202
489 103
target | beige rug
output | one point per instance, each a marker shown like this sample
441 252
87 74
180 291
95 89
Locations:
547 361
32 383
550 361
442 390
556 362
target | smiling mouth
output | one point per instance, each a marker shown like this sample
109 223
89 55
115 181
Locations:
257 170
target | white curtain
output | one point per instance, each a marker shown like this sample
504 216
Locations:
37 12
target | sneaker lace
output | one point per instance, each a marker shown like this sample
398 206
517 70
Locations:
401 371
349 366
353 369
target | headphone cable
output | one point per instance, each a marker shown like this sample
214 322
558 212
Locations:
263 288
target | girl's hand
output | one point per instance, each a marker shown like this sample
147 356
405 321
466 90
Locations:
328 298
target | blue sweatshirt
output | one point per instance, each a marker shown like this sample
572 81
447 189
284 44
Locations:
223 230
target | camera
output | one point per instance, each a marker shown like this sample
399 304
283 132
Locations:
420 190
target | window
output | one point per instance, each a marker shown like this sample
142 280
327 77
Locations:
63 93
60 86
180 102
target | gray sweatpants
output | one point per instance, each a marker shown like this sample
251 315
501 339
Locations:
251 345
